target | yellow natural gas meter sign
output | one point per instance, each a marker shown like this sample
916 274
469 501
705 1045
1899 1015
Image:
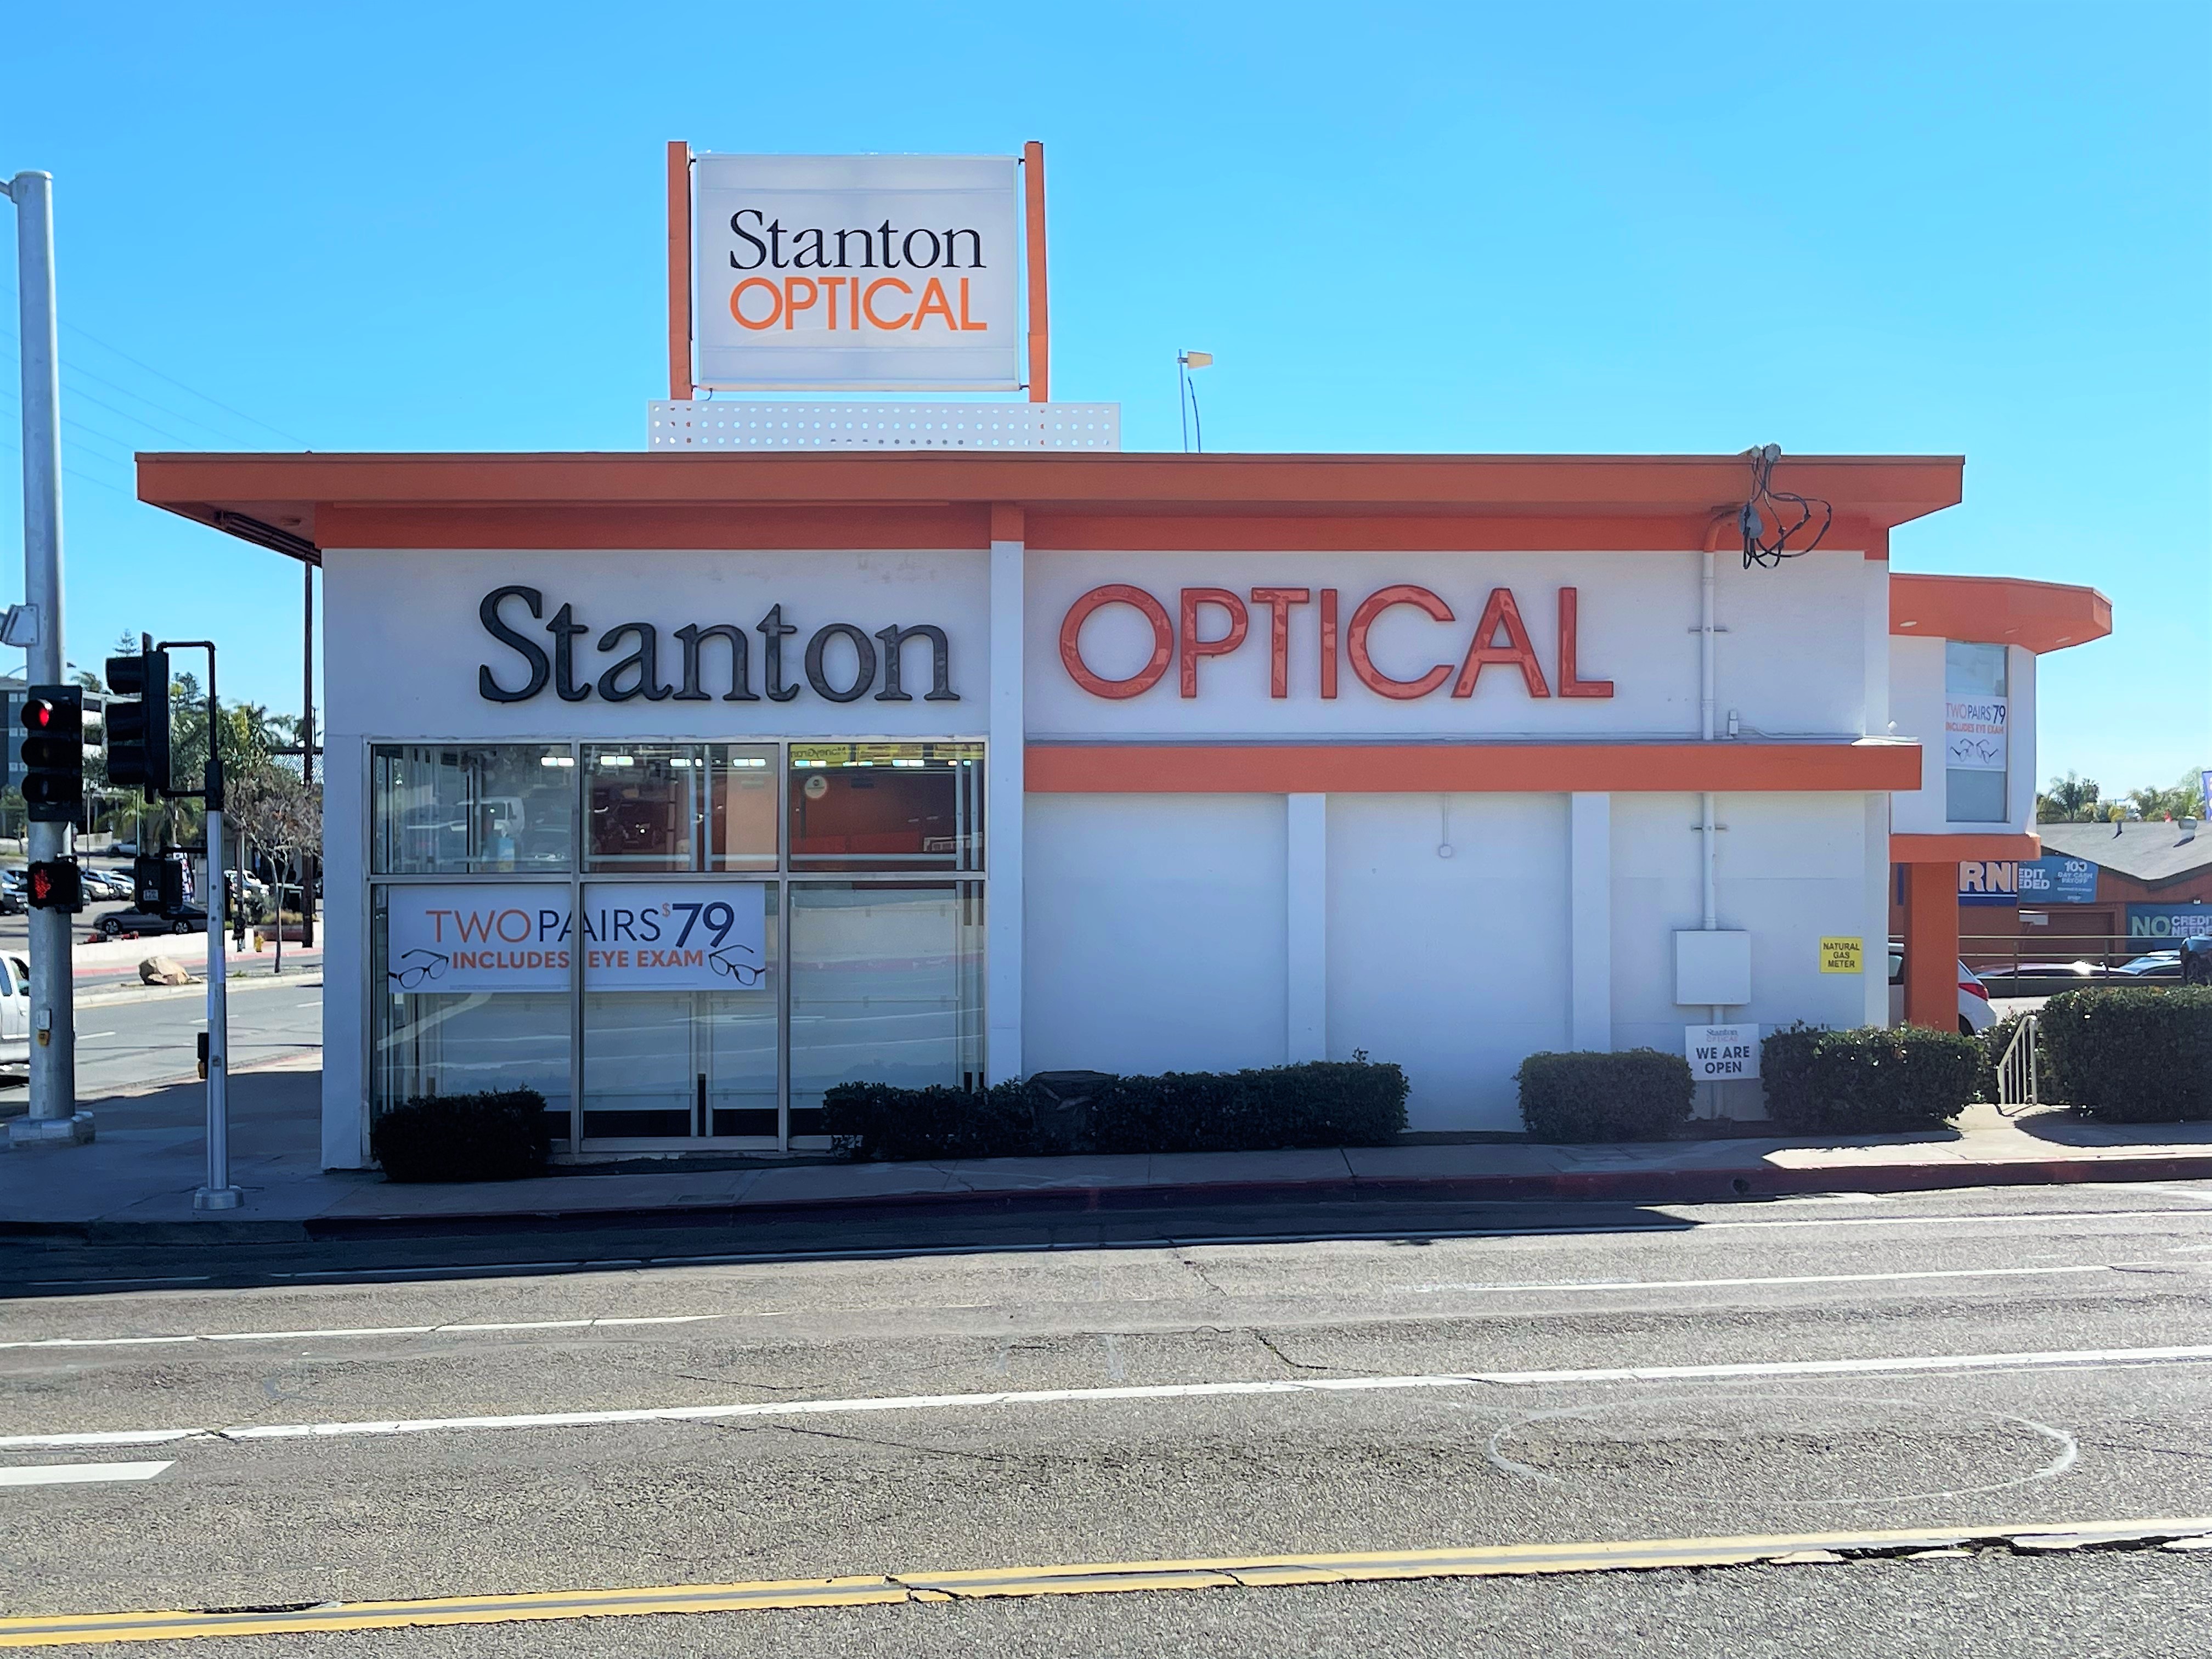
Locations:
1842 955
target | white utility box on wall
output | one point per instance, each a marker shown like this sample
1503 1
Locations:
1712 969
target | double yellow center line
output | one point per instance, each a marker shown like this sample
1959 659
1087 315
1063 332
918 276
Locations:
1093 1578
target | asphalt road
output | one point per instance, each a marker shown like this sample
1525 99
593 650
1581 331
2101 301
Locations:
126 1042
1980 1359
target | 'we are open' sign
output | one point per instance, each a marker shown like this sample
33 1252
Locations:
1717 1053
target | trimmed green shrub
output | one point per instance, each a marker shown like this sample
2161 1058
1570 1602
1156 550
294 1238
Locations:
2133 1053
1868 1080
879 1121
1319 1104
1640 1094
496 1136
1994 1042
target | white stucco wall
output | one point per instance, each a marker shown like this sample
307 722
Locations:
1155 932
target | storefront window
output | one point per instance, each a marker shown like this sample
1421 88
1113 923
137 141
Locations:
639 988
886 986
444 810
437 1030
886 806
1976 741
741 816
668 806
680 1010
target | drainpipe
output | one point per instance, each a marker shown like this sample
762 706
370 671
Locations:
1706 654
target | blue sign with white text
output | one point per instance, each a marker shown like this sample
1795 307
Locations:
2055 880
2169 921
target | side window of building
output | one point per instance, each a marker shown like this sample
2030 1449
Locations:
1977 738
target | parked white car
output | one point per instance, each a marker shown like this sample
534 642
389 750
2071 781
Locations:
1975 1014
14 1017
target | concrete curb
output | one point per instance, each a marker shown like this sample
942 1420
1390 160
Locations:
1611 1186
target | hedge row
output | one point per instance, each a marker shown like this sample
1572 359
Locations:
498 1136
1638 1094
1870 1080
1318 1103
2131 1053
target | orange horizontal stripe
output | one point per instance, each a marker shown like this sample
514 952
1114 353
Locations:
1970 846
1139 769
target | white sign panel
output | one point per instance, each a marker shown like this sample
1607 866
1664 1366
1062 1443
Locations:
501 937
1974 733
510 937
676 936
890 273
1717 1053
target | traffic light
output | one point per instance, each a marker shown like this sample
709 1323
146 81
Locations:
53 755
54 884
138 722
159 881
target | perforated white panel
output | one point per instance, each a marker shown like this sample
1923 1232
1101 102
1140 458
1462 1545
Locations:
738 425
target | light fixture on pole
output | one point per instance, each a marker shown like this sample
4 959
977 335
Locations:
1187 397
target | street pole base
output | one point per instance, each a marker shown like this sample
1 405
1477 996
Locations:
75 1130
218 1197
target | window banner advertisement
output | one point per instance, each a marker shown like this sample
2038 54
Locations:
494 937
2055 880
676 936
1974 733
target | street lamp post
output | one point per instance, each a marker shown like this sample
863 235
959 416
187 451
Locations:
53 1116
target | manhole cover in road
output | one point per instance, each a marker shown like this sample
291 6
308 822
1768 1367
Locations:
1792 1448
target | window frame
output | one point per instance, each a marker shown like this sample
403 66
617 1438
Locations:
579 876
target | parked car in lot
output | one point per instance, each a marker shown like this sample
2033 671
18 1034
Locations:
2043 979
12 902
1975 1014
14 1017
106 885
2197 960
116 923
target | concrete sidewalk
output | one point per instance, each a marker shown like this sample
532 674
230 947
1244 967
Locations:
136 1180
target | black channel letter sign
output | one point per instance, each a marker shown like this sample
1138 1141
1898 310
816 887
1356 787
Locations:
631 665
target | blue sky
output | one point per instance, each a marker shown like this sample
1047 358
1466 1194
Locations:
1969 229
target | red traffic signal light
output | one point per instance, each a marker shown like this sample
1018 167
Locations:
53 755
54 884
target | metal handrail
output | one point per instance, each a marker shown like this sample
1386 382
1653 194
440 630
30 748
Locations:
2019 1075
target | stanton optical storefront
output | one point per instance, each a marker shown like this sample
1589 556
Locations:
683 786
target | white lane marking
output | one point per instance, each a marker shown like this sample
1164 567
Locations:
693 1319
86 1036
74 1475
374 1330
1731 1284
1915 1363
2200 1196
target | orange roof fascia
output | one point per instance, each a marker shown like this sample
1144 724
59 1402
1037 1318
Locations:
1190 500
1965 847
1415 767
2039 617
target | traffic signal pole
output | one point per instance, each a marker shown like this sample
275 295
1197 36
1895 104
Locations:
53 1116
218 1193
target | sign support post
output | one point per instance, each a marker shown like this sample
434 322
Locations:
218 1193
53 1115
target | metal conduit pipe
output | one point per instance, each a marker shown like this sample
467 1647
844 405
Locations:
1707 826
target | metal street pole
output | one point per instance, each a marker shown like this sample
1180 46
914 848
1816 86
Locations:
306 752
53 1114
218 1193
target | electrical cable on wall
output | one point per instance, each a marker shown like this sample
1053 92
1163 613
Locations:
1767 505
